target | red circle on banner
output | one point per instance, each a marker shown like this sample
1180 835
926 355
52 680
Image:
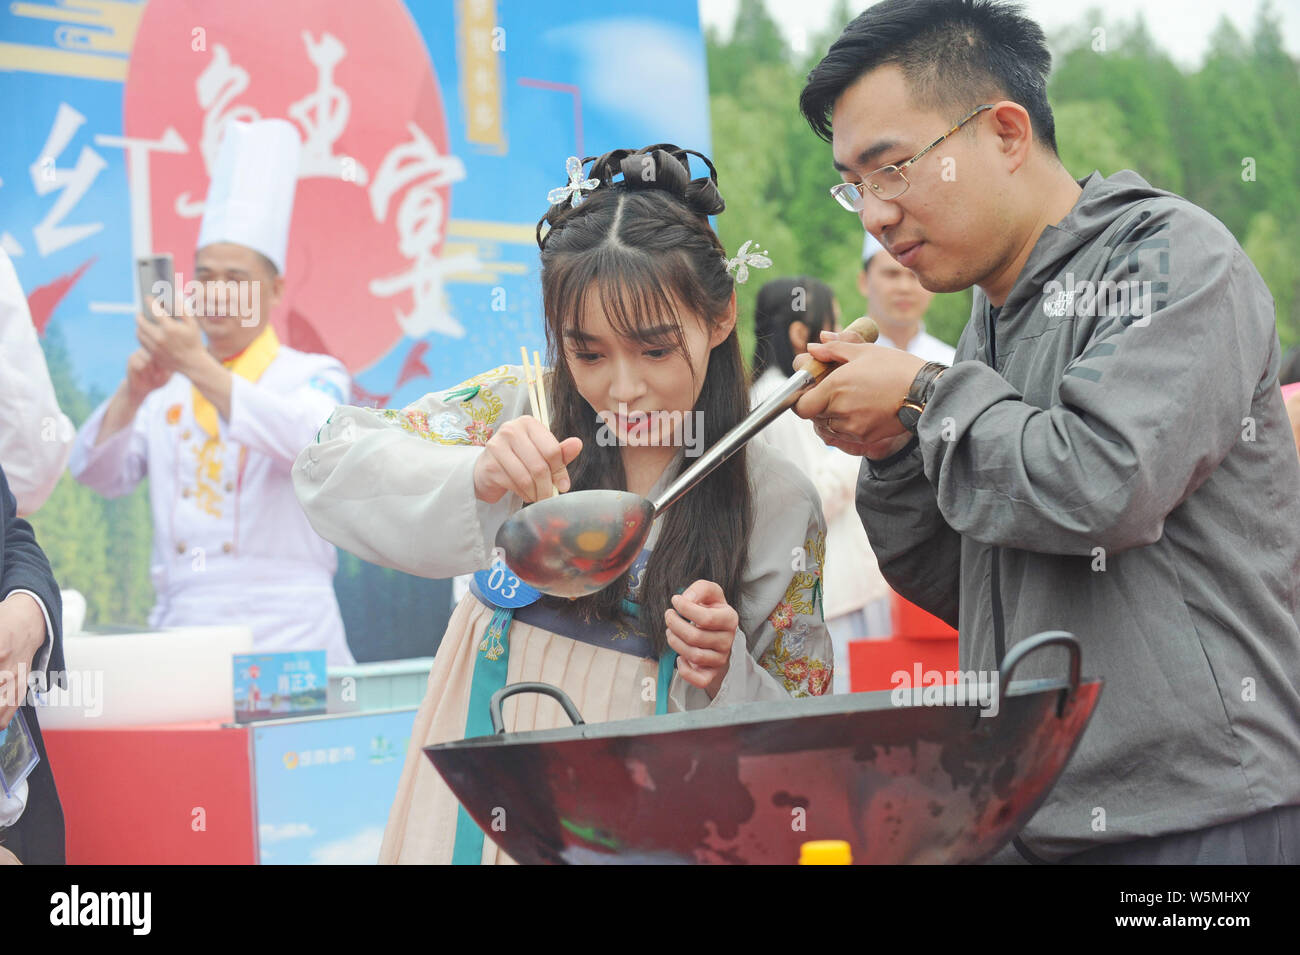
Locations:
358 86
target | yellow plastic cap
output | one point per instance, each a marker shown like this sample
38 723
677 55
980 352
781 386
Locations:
825 852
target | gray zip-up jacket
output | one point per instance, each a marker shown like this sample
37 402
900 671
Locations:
1123 470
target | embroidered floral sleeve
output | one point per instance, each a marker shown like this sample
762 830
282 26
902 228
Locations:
782 648
368 486
802 666
472 418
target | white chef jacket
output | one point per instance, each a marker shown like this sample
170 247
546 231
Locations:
231 543
923 345
35 436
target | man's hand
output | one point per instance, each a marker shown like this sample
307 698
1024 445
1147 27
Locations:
22 632
143 375
855 407
175 344
876 450
701 628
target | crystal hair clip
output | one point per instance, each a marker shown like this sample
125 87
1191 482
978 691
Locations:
744 261
576 187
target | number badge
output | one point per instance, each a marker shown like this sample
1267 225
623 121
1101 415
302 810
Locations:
503 588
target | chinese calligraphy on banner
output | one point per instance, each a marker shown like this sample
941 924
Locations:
432 132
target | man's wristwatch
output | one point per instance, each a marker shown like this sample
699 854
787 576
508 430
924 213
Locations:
919 394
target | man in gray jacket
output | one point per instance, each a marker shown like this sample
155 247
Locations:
1108 454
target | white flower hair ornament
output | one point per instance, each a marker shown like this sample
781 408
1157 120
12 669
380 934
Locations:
576 187
745 260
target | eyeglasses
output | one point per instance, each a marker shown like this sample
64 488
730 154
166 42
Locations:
888 182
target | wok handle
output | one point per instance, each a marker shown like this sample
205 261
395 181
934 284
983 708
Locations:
1025 647
554 692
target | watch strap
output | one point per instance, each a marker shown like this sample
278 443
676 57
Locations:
918 396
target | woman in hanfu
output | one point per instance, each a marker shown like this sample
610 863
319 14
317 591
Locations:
645 372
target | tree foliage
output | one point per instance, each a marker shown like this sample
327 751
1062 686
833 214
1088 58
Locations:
98 547
1226 136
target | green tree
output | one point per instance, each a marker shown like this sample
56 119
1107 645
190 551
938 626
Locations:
775 173
96 546
1089 138
1224 136
1272 249
1119 69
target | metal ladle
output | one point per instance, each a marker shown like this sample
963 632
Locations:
578 543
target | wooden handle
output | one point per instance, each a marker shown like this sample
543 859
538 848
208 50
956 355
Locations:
864 327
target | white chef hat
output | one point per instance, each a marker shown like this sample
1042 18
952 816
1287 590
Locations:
869 248
250 198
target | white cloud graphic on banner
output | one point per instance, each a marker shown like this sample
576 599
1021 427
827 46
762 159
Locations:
360 848
650 73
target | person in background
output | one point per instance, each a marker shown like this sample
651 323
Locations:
36 437
31 641
791 312
896 302
217 427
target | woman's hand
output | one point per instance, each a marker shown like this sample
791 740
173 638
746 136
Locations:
523 458
701 628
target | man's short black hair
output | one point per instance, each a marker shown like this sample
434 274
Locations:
954 54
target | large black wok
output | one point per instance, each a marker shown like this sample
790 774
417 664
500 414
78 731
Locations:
750 783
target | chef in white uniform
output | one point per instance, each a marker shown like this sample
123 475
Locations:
897 301
214 409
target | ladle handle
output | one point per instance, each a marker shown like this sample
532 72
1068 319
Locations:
755 421
863 326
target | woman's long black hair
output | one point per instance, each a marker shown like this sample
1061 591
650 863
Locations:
781 303
645 247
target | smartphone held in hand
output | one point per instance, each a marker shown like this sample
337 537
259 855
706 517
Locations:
156 275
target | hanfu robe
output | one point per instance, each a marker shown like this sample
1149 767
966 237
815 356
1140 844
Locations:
396 487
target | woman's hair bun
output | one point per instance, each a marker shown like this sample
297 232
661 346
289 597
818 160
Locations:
665 166
662 167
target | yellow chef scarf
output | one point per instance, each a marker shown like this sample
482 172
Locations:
249 365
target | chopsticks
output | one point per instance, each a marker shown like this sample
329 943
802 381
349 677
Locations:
536 393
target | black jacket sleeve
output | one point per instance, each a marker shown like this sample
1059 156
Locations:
23 566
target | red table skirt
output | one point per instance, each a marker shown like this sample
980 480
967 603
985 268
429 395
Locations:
178 794
919 638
